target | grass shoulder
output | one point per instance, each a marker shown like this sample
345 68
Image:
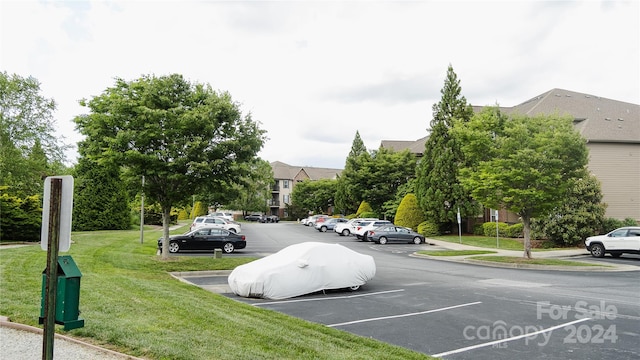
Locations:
455 252
534 261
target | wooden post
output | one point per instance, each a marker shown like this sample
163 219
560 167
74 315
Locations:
52 269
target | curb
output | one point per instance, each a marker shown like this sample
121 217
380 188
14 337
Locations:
465 260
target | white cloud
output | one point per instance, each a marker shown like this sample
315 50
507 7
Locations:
315 73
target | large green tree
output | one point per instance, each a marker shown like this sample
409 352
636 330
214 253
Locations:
382 174
29 148
316 196
438 189
100 200
348 196
253 190
526 167
185 138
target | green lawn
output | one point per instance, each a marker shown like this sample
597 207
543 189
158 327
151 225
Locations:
455 252
522 260
131 304
485 242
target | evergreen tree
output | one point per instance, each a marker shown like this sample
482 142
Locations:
382 174
100 196
409 213
438 190
364 207
347 197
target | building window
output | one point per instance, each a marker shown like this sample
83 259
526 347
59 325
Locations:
285 199
285 184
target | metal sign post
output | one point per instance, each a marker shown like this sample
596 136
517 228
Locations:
497 232
459 226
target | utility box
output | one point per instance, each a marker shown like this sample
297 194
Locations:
67 294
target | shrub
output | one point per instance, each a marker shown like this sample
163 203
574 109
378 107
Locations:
428 228
409 213
363 208
489 229
21 218
183 215
516 230
198 210
368 214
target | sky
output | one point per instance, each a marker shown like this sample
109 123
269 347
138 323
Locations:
314 73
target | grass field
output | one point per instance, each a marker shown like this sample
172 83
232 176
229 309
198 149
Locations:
131 304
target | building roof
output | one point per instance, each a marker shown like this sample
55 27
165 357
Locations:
414 147
286 171
598 119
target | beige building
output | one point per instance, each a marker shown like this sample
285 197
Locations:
286 176
612 130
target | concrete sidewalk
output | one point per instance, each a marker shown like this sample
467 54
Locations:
574 254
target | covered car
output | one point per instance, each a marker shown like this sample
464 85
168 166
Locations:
302 269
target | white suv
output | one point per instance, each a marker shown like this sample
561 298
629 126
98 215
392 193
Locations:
362 227
346 229
211 221
617 242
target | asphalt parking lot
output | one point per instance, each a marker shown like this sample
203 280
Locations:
464 311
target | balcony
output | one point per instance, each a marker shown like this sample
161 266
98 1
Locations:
275 188
273 203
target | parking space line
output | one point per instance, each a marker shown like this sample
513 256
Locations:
328 298
535 333
404 315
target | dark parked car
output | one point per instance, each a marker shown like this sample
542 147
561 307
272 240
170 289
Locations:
272 219
255 217
384 234
206 239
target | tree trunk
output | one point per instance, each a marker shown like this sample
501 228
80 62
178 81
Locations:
526 221
166 221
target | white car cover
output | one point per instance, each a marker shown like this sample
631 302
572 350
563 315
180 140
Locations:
302 269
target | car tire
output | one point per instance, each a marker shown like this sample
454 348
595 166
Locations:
382 240
417 240
174 247
597 250
345 232
616 254
354 288
228 248
323 229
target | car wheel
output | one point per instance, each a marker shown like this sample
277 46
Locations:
323 229
616 254
228 248
417 240
382 240
174 247
597 250
354 288
345 232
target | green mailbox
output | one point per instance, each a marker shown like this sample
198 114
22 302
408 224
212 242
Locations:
67 294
